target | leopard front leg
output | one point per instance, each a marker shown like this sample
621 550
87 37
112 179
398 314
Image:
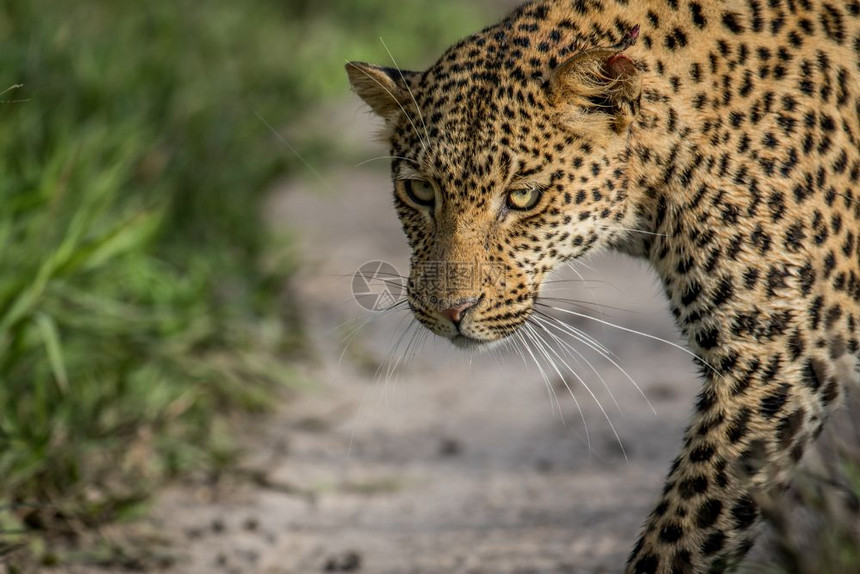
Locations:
753 420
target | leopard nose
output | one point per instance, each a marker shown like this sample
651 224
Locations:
455 314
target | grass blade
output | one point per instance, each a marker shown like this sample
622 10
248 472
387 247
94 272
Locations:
54 348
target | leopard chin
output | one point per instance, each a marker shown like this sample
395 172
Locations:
469 343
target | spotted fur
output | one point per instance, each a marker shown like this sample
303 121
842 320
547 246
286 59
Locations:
726 130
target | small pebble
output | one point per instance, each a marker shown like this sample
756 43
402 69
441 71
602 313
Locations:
194 533
349 561
450 447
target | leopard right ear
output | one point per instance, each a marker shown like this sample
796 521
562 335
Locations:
601 80
385 90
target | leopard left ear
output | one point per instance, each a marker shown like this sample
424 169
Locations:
385 90
601 80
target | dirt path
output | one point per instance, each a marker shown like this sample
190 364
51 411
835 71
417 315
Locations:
455 464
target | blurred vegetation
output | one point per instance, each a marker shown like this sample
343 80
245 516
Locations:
817 529
139 291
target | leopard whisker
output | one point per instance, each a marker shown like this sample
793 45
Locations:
408 89
514 344
406 356
601 350
631 230
572 262
357 327
640 333
424 144
384 157
391 283
579 333
553 396
376 273
409 351
845 196
528 351
587 281
590 392
517 346
386 364
541 345
414 345
586 304
571 350
377 377
579 336
580 276
325 182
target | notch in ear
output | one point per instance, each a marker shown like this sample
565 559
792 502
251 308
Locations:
385 90
600 80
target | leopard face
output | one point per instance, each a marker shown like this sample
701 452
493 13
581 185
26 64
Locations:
498 185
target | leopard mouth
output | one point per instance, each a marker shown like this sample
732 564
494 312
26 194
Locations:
476 331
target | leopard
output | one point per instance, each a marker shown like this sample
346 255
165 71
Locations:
719 141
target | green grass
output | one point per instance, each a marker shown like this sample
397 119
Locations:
139 291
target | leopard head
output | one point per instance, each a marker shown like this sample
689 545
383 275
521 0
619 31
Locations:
503 168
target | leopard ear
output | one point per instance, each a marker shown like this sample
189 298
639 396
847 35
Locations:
385 90
601 80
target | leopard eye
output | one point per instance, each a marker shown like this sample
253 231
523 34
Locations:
523 199
420 191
